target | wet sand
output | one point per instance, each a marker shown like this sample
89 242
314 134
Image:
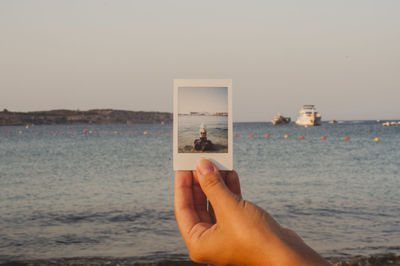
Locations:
373 260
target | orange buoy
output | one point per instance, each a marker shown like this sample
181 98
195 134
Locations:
377 139
236 135
301 137
251 136
286 136
85 131
53 132
267 136
168 133
323 138
346 138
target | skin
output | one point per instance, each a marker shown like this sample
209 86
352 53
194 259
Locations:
233 231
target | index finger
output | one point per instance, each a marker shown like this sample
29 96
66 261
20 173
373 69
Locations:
185 212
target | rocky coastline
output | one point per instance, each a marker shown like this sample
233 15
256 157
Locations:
72 117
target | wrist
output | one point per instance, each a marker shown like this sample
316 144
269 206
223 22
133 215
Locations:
279 252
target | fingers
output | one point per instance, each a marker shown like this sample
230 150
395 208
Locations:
231 179
204 210
214 187
200 201
185 212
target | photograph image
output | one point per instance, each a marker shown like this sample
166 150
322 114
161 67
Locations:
202 120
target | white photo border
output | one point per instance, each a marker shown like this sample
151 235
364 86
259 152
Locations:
188 161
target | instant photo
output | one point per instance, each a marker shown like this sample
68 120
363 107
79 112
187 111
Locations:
202 123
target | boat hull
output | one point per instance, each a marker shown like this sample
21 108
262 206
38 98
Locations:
308 121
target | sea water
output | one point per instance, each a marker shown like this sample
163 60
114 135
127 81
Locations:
106 192
189 127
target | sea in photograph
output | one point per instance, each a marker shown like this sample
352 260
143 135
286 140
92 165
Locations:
104 194
189 130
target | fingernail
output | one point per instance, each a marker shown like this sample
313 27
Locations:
205 167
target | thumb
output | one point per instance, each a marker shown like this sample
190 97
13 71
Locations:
214 188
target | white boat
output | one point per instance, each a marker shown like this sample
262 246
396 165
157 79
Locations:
308 116
280 119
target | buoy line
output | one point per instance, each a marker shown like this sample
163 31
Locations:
150 133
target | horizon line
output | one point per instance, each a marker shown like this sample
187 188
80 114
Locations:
152 111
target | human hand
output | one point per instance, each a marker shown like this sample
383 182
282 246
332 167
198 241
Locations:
234 231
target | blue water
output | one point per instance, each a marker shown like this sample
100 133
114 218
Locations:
109 193
189 130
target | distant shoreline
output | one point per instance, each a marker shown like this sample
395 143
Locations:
77 117
107 116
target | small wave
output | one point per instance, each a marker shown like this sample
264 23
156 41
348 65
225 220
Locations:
71 239
155 258
77 218
146 214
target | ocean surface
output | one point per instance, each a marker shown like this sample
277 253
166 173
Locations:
189 130
106 192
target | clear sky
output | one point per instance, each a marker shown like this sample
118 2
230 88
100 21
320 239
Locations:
341 55
209 99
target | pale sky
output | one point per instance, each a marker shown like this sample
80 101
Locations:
341 55
206 99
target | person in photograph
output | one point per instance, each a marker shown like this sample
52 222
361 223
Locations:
203 144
